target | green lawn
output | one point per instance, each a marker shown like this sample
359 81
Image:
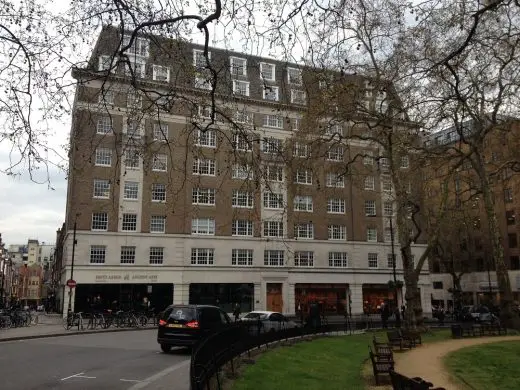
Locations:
325 363
487 366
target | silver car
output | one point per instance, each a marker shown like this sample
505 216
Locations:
271 321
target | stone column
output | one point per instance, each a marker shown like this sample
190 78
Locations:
291 302
356 296
258 298
181 294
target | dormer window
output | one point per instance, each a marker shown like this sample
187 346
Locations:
199 61
267 71
238 66
294 76
140 46
161 73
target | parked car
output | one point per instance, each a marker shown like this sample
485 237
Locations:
186 325
271 321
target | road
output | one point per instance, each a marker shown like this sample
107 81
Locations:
124 360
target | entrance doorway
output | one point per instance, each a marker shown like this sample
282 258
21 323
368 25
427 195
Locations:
274 297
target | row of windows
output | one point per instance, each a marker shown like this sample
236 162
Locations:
242 227
240 198
239 257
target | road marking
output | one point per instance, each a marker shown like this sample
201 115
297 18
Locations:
72 376
130 380
159 375
79 375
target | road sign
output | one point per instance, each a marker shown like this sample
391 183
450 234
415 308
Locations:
71 283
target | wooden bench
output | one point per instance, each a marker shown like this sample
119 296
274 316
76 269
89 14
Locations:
395 339
382 348
401 382
380 366
413 335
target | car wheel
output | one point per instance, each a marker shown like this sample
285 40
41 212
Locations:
166 348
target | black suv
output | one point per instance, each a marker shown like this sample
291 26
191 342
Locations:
186 325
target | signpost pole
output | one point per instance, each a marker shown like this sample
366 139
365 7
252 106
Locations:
72 266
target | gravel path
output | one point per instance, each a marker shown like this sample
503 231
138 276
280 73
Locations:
426 361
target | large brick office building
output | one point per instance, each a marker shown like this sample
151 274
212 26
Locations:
246 210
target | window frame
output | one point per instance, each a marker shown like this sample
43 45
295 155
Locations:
299 200
237 90
237 257
97 254
160 162
103 222
104 157
155 72
135 189
200 163
129 222
203 226
334 231
202 256
158 224
238 195
233 68
269 91
156 255
106 188
331 206
372 257
154 192
273 71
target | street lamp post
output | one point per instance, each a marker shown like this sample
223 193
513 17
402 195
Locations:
72 265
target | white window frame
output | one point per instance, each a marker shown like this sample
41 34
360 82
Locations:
274 229
304 231
273 121
294 76
206 139
99 222
370 208
336 206
368 158
202 82
202 256
203 196
197 53
333 180
369 183
106 63
101 186
388 208
304 259
157 69
160 132
127 255
244 117
390 259
337 232
140 47
271 93
233 68
386 183
301 150
273 200
237 87
303 203
104 125
203 226
159 189
274 258
242 172
204 111
272 71
106 97
103 157
138 66
160 162
241 142
200 164
298 96
242 257
405 162
335 153
129 220
272 145
371 234
242 199
338 260
303 176
372 260
134 100
274 173
133 129
156 255
131 188
242 228
157 224
98 254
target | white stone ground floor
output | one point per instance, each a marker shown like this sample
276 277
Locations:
257 288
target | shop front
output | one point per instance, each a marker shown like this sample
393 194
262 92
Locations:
124 296
374 295
332 298
223 295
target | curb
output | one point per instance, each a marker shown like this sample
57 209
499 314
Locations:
73 333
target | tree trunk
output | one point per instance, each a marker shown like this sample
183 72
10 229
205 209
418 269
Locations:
414 312
507 315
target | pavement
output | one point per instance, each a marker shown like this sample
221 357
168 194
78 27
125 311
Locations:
127 360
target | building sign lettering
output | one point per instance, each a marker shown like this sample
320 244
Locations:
126 278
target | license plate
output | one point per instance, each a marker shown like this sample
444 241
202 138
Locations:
174 326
